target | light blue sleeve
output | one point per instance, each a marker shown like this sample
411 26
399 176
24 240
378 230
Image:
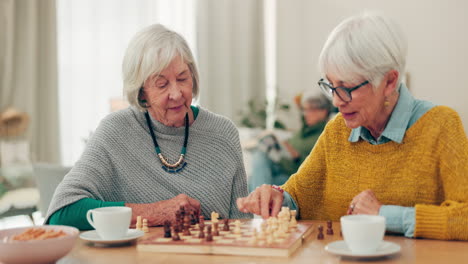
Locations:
288 201
399 219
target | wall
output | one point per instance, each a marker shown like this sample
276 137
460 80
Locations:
437 50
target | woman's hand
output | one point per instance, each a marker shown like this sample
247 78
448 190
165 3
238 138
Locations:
264 201
158 212
365 203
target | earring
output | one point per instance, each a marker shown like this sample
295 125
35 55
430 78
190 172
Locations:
144 104
386 103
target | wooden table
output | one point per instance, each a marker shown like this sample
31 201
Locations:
312 251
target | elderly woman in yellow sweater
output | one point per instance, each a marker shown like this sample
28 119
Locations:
386 153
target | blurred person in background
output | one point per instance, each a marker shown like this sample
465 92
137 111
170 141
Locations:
273 162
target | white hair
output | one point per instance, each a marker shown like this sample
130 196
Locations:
364 47
149 52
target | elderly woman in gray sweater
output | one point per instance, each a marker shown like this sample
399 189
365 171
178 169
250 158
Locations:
161 152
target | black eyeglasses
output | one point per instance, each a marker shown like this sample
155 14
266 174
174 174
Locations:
342 92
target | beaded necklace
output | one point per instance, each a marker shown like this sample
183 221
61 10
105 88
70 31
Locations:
180 164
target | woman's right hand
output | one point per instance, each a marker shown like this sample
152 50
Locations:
264 201
158 212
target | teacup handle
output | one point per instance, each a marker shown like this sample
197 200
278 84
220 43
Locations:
88 217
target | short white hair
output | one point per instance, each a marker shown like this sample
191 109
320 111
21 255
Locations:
149 52
364 47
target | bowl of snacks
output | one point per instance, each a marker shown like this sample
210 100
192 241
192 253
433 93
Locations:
38 244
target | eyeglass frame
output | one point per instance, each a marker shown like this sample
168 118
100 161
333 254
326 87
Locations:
346 90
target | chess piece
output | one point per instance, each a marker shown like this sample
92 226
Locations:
192 218
293 222
145 226
187 226
201 220
201 234
209 236
167 229
197 216
138 223
186 232
215 229
214 217
175 236
226 225
237 229
177 226
320 234
329 228
269 239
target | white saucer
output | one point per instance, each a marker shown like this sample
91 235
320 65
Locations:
340 248
92 236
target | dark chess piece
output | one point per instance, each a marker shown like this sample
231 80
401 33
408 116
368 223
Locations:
187 226
329 228
167 229
186 232
175 236
181 226
209 236
202 233
320 234
192 218
201 220
226 225
197 216
215 229
177 226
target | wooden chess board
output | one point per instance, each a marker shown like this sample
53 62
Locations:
229 243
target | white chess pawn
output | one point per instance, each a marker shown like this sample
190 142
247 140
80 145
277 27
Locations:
237 229
254 238
138 223
145 226
269 239
293 223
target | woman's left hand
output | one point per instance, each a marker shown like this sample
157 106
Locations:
365 203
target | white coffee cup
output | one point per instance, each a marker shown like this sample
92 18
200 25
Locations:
363 234
110 222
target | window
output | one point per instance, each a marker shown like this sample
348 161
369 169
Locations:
92 37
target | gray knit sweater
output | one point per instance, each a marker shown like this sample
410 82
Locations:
120 164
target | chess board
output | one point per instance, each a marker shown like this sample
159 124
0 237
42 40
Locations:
229 243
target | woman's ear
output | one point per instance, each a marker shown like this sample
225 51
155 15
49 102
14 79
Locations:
391 81
142 98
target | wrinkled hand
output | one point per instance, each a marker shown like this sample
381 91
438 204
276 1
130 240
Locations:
158 212
264 201
365 203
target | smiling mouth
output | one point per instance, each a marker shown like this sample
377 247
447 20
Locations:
176 107
348 115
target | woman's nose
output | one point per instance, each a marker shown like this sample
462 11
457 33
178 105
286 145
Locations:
174 91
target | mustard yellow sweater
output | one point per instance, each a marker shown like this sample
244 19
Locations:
427 171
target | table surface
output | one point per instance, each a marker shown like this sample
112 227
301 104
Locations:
312 251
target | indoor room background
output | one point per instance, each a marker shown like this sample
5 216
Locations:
61 60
